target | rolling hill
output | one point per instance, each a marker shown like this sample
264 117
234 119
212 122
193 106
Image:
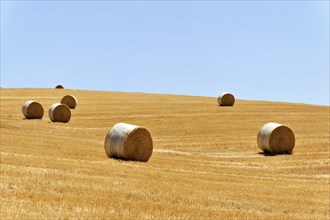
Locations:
205 163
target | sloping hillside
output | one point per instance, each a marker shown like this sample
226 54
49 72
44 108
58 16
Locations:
205 163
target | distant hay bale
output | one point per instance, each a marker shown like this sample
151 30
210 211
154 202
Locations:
70 101
59 113
32 110
226 99
276 138
128 142
59 87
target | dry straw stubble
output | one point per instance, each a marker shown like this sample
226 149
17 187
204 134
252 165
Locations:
59 113
226 99
276 138
32 110
128 142
70 101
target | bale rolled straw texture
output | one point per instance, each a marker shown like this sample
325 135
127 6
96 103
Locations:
59 113
59 87
128 142
70 101
226 99
32 110
276 138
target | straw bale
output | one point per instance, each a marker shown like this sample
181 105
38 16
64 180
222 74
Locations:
70 101
59 87
226 99
32 110
128 142
59 113
276 138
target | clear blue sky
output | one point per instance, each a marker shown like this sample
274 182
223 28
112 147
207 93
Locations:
258 50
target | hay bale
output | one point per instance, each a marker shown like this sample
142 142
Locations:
59 87
59 113
276 138
70 101
32 110
128 142
226 99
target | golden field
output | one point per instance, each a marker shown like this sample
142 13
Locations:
205 162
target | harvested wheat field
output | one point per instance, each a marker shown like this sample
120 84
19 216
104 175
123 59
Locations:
205 164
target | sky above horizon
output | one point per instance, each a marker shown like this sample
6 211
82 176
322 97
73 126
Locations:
257 50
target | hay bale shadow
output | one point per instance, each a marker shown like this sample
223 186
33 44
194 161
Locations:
32 119
272 154
123 160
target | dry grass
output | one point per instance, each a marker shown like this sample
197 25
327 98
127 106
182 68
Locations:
201 167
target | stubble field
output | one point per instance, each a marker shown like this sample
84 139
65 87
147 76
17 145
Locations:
205 162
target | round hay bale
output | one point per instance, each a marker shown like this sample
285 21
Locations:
59 113
59 87
128 142
276 138
32 110
226 99
70 101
